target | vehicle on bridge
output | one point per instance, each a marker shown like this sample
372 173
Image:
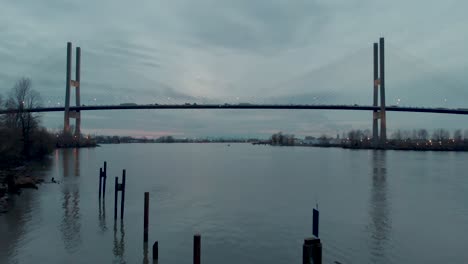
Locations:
128 104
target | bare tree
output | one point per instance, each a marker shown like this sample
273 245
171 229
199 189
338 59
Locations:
457 135
465 134
397 135
21 98
366 134
406 135
423 134
324 139
414 134
440 134
352 135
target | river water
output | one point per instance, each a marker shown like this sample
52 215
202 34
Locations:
251 204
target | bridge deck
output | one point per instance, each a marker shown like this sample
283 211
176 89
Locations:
457 111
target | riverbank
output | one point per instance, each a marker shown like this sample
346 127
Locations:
402 147
14 179
412 148
11 182
76 144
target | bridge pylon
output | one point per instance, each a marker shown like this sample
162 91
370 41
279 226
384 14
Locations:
72 83
379 140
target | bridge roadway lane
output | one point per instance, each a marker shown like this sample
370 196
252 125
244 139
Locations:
457 111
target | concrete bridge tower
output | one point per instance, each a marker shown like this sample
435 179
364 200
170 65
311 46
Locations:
379 114
72 83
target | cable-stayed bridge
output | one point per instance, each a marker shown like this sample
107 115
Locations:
317 102
439 110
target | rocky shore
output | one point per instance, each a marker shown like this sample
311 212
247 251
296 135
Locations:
11 183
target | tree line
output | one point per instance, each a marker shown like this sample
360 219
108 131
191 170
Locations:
21 135
282 139
439 134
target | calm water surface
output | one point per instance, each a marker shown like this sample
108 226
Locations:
252 204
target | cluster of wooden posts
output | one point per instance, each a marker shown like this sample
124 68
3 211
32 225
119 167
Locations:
119 187
311 249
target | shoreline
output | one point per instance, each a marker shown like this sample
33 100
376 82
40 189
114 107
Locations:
19 174
388 147
13 180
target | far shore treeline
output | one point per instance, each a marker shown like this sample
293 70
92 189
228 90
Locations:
440 140
22 138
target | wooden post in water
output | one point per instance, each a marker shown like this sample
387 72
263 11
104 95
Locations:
306 258
122 189
312 251
104 179
155 251
104 175
146 218
145 253
100 182
119 187
315 222
116 196
196 248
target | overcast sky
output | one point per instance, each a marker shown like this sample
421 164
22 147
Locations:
217 51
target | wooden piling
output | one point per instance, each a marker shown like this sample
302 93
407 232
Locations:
122 204
155 251
100 182
312 251
315 222
104 179
196 248
146 218
116 196
145 254
306 258
104 174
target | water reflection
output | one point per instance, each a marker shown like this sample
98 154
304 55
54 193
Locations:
119 243
76 159
71 224
102 216
15 224
145 253
379 210
71 156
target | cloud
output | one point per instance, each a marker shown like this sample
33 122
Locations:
257 26
266 51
